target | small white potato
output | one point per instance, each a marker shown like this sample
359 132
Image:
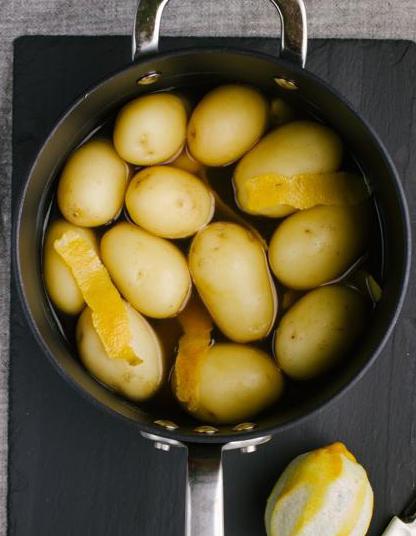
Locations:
59 281
229 267
169 202
226 123
300 147
151 129
281 112
187 163
319 330
235 382
92 185
135 382
150 272
315 246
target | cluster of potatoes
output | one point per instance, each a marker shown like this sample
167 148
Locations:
142 202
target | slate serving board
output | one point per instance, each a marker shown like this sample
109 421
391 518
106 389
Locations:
75 471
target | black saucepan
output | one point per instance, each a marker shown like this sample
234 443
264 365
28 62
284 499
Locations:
152 71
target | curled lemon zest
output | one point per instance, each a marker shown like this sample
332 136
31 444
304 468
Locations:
109 310
305 191
193 346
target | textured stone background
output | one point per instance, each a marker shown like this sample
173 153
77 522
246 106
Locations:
376 19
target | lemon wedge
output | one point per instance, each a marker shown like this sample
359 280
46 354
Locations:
109 311
323 492
304 191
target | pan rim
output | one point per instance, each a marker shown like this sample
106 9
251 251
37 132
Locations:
221 438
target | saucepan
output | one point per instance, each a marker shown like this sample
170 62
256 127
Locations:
281 74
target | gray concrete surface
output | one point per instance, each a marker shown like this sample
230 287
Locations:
376 19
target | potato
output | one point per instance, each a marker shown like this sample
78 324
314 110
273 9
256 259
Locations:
226 123
149 271
187 163
281 112
296 148
136 382
319 330
235 382
151 129
169 202
317 245
92 185
59 281
229 267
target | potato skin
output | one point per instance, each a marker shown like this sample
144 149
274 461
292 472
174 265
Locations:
187 163
149 271
135 382
299 147
235 383
229 268
151 129
92 185
319 330
59 282
315 246
226 123
169 202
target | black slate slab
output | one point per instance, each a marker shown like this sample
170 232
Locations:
74 471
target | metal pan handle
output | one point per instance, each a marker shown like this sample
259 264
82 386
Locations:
204 514
294 34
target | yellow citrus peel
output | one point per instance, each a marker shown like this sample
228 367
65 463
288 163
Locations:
319 470
193 345
109 311
305 191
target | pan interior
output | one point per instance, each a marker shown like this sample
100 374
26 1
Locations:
200 69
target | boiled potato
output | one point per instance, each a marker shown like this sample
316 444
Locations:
229 267
59 281
317 245
169 202
296 148
92 185
136 382
281 112
187 163
325 492
226 123
234 382
319 330
149 271
151 129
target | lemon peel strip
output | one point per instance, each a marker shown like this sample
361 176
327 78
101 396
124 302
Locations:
305 191
109 311
193 345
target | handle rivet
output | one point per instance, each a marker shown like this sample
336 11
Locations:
161 446
208 430
149 78
244 427
168 425
249 449
286 84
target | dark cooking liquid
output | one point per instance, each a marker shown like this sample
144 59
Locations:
220 180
